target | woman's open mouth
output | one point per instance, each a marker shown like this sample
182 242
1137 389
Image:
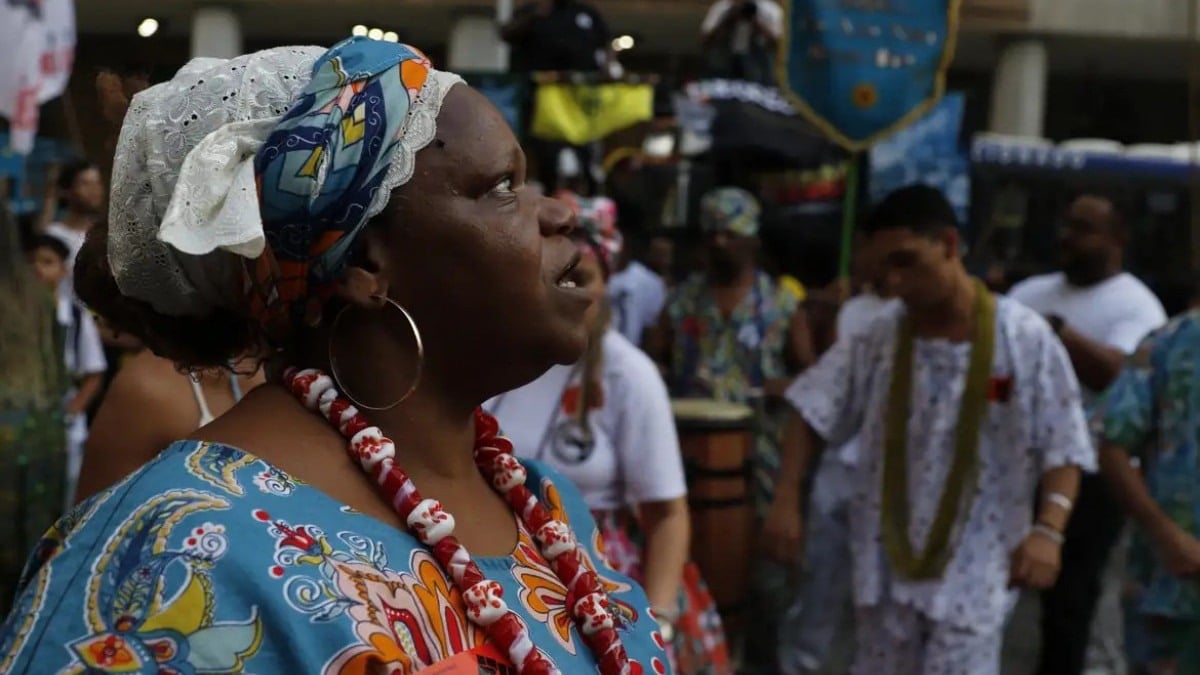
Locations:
569 277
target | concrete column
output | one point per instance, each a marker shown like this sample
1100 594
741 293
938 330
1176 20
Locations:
1019 89
216 32
475 46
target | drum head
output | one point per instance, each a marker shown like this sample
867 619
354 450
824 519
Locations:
704 414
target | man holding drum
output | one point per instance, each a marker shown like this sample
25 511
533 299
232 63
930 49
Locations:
733 335
964 401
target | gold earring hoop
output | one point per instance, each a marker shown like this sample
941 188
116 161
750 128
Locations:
333 363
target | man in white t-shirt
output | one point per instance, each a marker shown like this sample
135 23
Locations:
1101 314
740 38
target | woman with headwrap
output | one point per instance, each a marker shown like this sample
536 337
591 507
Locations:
605 422
359 221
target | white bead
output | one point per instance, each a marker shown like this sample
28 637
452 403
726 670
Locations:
592 614
371 447
326 401
322 384
485 602
430 522
508 473
555 539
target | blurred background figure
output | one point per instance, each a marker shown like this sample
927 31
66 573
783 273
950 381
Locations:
1101 313
740 38
606 424
637 293
149 404
82 354
81 194
732 334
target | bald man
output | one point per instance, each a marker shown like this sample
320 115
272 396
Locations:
1101 313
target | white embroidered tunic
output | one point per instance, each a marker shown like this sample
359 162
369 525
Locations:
1034 423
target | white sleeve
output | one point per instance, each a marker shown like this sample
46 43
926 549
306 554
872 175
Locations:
1128 334
90 359
715 15
655 301
644 437
831 395
1060 430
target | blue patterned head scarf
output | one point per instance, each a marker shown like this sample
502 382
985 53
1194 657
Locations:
331 163
730 209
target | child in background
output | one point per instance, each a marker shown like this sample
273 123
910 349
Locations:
83 352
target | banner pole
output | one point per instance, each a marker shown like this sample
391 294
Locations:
849 217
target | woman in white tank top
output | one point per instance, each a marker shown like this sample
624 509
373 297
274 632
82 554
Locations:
149 405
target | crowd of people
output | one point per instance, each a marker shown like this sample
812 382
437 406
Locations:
278 282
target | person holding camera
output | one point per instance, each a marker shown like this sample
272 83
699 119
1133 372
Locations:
740 37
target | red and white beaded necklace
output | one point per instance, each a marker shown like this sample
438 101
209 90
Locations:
435 528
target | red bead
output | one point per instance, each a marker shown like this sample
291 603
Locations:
485 459
613 661
537 664
586 584
444 550
537 517
355 425
486 426
472 576
393 481
502 444
506 630
336 409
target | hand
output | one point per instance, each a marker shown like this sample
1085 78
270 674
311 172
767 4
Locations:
1181 553
1036 563
783 531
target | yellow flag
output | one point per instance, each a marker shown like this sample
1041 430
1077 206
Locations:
582 113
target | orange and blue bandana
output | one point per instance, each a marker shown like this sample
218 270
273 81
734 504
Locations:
330 166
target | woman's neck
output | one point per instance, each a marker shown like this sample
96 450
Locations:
435 437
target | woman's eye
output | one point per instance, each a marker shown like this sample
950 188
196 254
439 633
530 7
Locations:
505 186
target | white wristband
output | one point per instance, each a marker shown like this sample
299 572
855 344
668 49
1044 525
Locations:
1049 533
1060 500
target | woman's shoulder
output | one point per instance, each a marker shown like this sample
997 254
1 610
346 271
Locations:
183 561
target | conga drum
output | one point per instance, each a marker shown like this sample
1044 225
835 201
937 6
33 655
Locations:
717 440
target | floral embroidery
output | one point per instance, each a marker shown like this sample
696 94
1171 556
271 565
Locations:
404 621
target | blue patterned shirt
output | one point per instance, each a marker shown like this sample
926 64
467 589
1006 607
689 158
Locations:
1152 411
209 560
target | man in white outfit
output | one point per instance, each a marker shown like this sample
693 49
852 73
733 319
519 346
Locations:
964 403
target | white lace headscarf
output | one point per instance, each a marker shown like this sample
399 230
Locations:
208 172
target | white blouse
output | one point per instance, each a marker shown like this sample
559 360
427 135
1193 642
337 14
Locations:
633 454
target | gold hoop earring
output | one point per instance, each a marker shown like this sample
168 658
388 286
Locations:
333 363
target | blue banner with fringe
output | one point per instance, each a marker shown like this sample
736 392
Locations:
861 69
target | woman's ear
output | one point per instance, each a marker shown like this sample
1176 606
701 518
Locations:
365 281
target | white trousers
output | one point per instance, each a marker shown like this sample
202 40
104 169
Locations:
895 639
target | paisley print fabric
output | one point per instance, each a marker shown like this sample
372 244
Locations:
209 560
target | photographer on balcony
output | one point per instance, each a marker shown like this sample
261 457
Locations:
740 37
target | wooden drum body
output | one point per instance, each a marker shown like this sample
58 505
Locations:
717 440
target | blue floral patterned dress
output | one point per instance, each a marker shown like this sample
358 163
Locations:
209 560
